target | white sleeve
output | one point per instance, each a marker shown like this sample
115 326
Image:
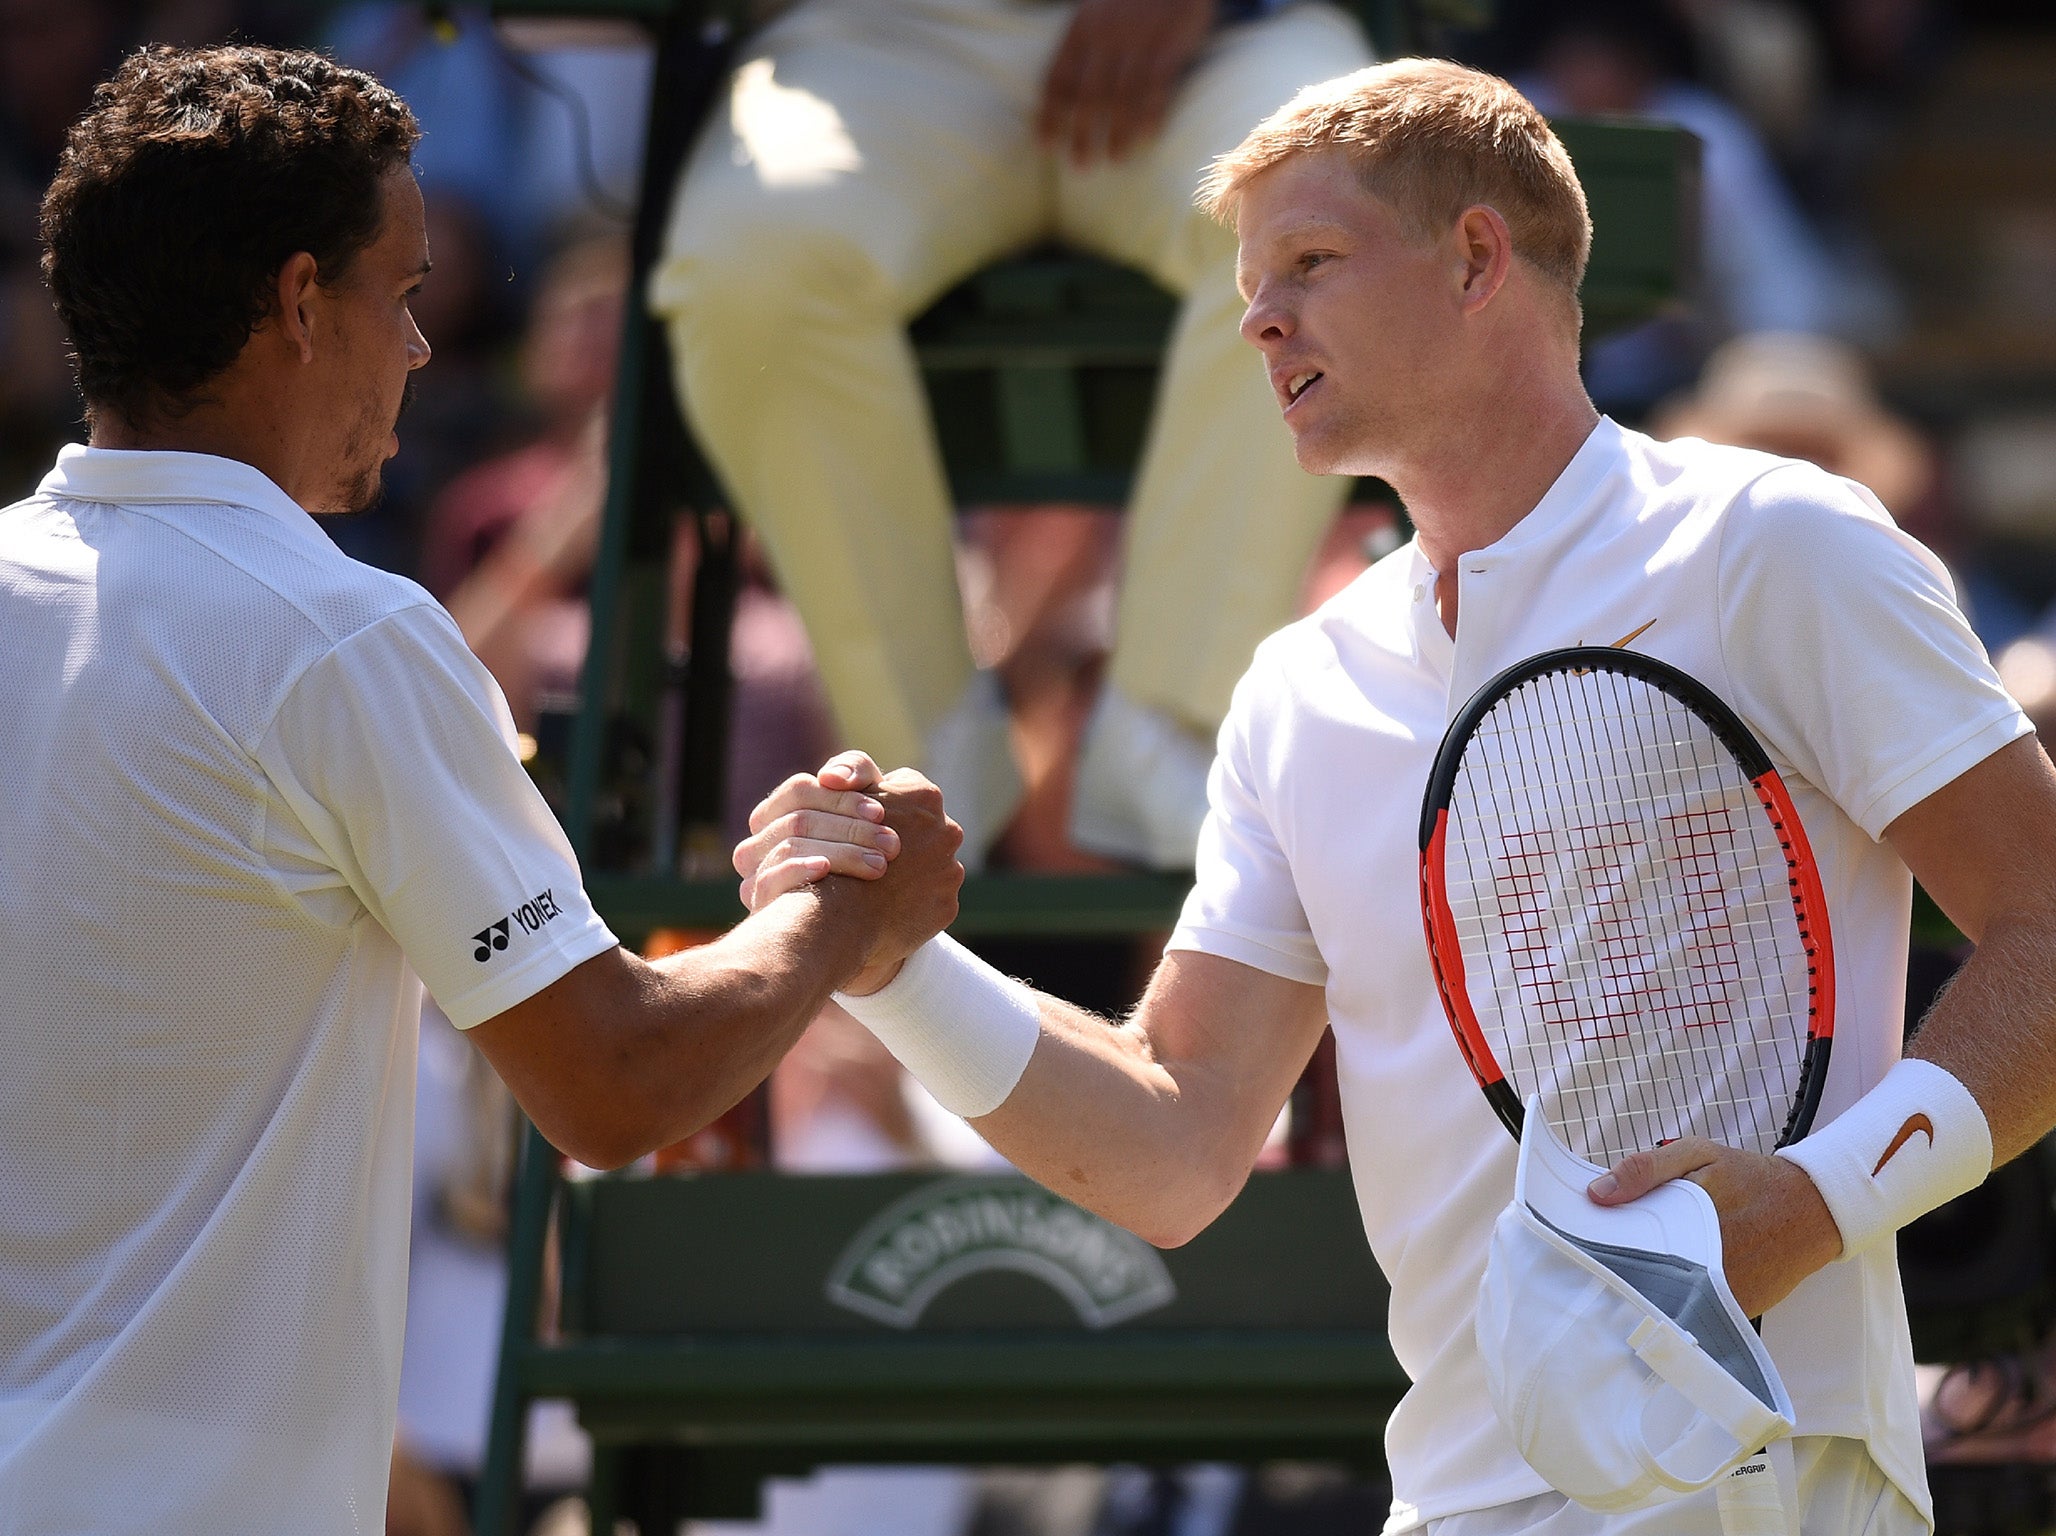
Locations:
1846 650
396 753
1244 905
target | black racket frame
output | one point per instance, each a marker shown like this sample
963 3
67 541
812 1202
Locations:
1755 762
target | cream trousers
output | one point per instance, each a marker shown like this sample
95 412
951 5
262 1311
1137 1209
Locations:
868 155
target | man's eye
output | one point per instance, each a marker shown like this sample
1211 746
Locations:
1312 259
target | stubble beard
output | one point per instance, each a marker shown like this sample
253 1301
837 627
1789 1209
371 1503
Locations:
365 492
366 488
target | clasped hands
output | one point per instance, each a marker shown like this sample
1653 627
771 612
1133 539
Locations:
852 819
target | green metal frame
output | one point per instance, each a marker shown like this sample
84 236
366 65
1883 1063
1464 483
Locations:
701 1332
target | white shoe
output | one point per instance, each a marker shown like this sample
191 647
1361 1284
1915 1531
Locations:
970 756
1141 789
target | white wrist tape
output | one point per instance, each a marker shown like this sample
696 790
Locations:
963 1029
1912 1142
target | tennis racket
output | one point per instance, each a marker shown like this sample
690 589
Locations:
1622 911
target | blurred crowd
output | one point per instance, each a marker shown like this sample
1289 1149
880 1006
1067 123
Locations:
1877 293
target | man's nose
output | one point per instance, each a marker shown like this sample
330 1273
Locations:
1265 323
418 352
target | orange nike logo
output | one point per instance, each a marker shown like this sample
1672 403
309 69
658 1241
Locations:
1632 635
1914 1123
1618 645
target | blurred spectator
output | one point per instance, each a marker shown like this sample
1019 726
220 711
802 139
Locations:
52 53
1811 397
1876 56
517 146
864 159
2028 669
525 137
1765 58
1765 268
510 541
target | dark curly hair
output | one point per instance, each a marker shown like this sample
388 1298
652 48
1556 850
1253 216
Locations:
194 176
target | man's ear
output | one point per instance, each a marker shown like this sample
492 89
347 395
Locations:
1485 245
294 302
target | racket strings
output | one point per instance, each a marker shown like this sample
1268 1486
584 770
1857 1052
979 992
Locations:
1624 909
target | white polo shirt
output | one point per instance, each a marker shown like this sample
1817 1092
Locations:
1836 638
252 789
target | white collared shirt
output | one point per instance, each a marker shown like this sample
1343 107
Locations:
1833 635
252 789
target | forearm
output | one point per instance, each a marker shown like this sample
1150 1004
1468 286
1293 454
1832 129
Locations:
1995 1029
1977 1086
623 1056
718 1018
1098 1118
1974 1091
1153 1123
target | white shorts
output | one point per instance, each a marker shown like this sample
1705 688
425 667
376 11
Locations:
1841 1493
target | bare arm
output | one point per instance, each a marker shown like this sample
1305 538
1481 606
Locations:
1984 847
621 1056
1154 1123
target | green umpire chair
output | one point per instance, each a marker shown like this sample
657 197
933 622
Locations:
716 1329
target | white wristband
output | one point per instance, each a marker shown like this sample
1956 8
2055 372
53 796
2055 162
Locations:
1912 1142
963 1029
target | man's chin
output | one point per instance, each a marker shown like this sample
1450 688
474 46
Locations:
1327 451
1318 457
364 494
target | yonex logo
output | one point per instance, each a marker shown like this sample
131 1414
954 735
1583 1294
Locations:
531 915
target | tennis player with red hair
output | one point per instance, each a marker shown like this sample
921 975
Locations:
1412 240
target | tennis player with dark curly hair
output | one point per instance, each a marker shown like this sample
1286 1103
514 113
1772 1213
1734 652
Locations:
254 791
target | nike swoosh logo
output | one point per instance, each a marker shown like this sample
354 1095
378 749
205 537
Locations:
1915 1125
1631 636
1618 645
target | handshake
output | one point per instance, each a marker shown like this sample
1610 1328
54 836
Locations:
854 820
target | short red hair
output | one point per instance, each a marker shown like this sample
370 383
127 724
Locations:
1431 138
